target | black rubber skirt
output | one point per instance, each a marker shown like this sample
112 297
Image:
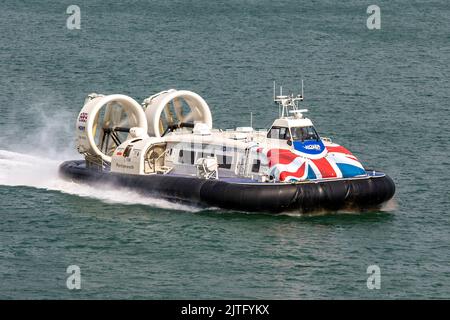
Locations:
332 195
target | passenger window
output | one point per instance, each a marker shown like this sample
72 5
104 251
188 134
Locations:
186 156
274 133
224 160
180 155
256 165
192 153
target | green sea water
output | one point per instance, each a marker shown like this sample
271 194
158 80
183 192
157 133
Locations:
383 93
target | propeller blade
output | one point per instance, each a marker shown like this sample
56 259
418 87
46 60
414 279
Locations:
107 117
168 113
117 114
188 117
161 126
178 107
132 120
124 122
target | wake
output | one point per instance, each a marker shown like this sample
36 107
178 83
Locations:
18 169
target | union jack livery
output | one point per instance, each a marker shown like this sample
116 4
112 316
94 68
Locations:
292 165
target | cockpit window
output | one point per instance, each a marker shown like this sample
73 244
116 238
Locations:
273 133
279 133
304 133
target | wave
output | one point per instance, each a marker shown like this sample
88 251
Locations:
18 169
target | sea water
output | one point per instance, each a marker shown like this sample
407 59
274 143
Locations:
382 93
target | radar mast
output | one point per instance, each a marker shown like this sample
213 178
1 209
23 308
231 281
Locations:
288 104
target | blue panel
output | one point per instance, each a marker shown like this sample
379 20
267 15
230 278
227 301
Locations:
309 147
311 174
349 170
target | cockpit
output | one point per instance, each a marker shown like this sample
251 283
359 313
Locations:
304 133
281 133
294 133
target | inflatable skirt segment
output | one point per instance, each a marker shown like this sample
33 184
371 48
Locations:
361 193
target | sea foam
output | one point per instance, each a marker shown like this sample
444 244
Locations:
18 169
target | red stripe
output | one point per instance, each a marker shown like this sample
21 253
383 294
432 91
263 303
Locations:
280 156
326 170
299 173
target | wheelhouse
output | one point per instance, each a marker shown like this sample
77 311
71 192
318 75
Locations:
308 133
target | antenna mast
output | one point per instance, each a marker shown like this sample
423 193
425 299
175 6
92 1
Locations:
302 89
274 90
288 104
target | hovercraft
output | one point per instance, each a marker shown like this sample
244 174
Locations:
168 148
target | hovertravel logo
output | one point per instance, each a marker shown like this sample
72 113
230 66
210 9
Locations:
312 147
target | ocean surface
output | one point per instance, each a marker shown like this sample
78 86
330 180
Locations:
384 94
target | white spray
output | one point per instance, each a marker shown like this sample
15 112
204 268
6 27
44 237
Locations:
17 169
30 153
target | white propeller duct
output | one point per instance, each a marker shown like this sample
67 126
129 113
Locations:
173 108
105 121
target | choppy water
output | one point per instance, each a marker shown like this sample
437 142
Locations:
383 94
